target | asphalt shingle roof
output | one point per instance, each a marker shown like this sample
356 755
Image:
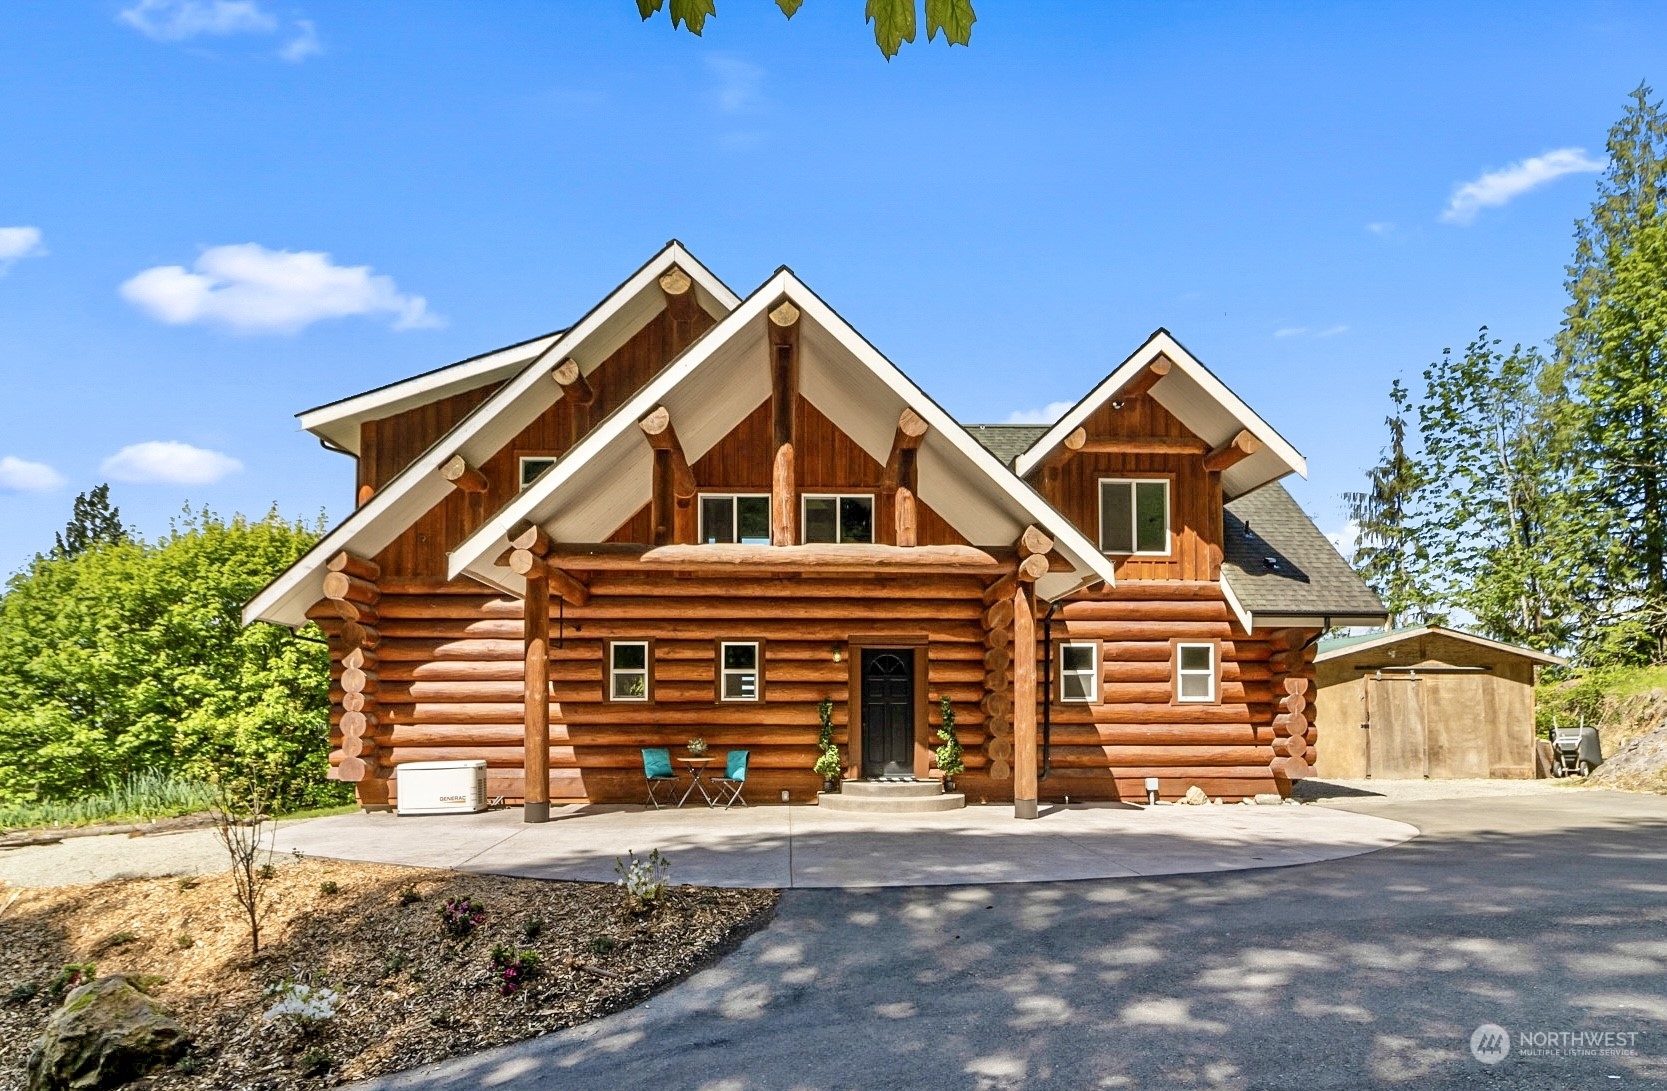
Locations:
1277 562
1008 441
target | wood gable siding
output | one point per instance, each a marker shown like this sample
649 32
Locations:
433 670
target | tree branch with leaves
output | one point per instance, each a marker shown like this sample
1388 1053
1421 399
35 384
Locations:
895 21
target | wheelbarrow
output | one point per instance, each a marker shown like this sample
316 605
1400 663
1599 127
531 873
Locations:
1575 750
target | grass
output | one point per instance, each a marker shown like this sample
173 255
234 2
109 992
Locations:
320 812
142 796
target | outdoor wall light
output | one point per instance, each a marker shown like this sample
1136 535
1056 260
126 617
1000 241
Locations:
1151 789
838 654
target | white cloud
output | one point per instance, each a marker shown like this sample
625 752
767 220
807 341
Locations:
305 43
17 243
251 289
1380 229
1045 415
1498 187
21 475
1290 331
736 82
1305 331
177 20
168 462
1333 331
1346 540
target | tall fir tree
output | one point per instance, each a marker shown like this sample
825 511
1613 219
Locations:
1389 555
1611 356
93 521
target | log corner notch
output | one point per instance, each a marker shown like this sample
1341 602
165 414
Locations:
783 328
571 378
1231 453
1292 680
899 487
1033 546
673 506
528 548
351 592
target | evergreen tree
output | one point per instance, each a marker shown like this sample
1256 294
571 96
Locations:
1390 556
93 521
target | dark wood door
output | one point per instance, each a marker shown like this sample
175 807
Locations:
888 713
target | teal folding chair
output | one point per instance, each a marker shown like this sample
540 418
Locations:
734 779
656 769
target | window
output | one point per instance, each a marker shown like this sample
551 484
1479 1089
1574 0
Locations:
1195 673
738 670
1079 672
842 519
739 518
1134 516
532 466
628 675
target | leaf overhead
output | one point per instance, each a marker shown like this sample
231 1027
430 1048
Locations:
647 8
790 8
691 13
894 24
954 17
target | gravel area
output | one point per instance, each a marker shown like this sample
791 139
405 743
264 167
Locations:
113 856
1342 791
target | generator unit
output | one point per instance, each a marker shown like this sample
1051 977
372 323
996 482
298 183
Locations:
441 787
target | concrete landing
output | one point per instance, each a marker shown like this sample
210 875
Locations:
801 846
890 797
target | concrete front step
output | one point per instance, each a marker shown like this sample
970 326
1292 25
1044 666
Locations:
891 797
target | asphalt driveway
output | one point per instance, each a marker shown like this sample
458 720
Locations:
1544 915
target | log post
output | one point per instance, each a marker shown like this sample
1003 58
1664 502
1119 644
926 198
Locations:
1229 454
898 488
1142 384
783 329
472 484
681 306
673 506
530 547
573 383
1024 705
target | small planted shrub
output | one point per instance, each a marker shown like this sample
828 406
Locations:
532 928
268 871
514 968
313 1063
603 945
184 941
393 964
643 882
118 939
71 976
949 754
460 916
409 896
23 992
190 882
828 765
300 1005
328 888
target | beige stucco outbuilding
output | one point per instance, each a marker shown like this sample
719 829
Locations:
1425 702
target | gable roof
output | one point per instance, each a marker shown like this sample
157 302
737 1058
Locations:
1006 441
1338 647
1283 570
1196 398
492 424
605 478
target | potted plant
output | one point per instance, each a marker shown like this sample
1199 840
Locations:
697 747
949 753
828 763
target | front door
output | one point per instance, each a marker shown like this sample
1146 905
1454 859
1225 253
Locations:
888 712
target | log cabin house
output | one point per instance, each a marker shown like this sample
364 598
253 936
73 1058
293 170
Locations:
695 514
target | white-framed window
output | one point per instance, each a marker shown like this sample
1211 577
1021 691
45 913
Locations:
533 465
628 673
735 517
1134 515
837 519
1195 673
1079 672
739 671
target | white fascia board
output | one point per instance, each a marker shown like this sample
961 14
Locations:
1388 639
476 553
481 548
417 488
1161 343
1236 606
338 422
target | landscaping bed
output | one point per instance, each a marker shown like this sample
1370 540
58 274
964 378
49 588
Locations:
409 992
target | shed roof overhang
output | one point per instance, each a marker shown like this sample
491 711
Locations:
1398 636
416 489
1198 400
606 478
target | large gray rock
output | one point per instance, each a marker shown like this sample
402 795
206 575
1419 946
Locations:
106 1034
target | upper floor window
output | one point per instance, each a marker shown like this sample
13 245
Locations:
532 466
735 518
1134 515
1195 673
629 678
738 670
1079 672
838 519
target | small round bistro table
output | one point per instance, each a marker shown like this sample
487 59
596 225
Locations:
695 766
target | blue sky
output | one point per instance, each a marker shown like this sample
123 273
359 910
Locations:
215 213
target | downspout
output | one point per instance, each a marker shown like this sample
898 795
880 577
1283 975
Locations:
1047 691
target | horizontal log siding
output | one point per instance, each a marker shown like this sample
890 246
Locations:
449 673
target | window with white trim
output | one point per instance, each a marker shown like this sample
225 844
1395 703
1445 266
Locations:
533 465
837 519
738 670
735 517
1079 672
628 670
1195 673
1134 516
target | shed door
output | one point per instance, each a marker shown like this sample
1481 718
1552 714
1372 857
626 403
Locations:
1397 743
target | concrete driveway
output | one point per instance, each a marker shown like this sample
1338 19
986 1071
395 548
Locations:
1546 916
799 847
